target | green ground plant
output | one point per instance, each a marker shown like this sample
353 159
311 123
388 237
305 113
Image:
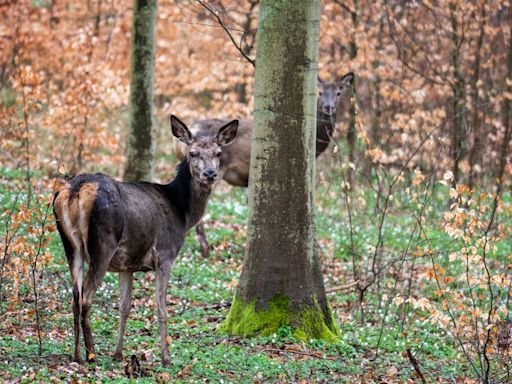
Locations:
398 312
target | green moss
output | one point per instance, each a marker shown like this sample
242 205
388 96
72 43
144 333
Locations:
308 322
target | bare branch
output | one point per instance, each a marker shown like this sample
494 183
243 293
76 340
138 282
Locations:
416 366
212 10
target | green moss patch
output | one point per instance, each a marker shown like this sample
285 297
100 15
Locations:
308 322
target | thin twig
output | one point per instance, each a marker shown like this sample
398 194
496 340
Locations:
212 10
416 366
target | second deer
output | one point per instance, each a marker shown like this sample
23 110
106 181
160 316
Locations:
235 160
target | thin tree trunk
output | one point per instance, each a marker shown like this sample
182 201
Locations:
458 107
281 283
377 108
351 131
474 154
140 146
505 113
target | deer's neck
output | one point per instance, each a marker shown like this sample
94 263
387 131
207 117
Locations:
324 130
188 196
199 200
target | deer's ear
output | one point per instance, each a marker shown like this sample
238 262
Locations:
227 133
319 80
180 130
346 81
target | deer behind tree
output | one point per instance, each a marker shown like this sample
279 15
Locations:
235 160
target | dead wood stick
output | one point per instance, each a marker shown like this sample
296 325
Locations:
212 306
342 287
276 350
416 366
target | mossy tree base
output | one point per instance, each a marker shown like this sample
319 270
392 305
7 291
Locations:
308 321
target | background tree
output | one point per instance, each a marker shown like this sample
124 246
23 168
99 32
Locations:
281 283
140 148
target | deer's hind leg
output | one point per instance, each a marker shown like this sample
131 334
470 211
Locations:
101 250
75 263
125 304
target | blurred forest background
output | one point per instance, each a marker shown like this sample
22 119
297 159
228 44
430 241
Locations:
413 197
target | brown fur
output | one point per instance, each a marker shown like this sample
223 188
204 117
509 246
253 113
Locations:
77 208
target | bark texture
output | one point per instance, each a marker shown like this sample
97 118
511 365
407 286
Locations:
140 147
281 283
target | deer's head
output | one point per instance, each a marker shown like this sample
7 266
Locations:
329 94
204 150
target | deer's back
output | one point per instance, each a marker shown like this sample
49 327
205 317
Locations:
137 218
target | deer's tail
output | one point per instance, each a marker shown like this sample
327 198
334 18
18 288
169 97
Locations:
73 212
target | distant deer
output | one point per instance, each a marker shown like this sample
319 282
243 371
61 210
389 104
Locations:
130 227
329 96
235 160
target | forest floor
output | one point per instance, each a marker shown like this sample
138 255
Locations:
373 350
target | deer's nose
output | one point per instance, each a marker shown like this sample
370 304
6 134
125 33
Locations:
210 174
329 109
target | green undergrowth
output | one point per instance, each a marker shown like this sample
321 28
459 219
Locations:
370 347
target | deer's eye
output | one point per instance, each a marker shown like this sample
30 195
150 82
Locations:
339 93
194 154
320 93
218 154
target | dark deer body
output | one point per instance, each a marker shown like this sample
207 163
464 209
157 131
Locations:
131 227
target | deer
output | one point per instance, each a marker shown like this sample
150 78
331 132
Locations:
130 227
235 161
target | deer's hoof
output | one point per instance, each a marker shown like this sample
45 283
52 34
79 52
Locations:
166 363
118 356
91 359
78 359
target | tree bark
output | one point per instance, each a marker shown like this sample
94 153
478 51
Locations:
281 283
140 146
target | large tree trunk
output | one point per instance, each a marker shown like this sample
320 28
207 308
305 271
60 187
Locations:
140 148
281 283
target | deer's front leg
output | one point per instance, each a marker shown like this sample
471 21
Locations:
203 242
125 304
162 279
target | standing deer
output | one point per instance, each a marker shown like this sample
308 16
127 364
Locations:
130 227
235 160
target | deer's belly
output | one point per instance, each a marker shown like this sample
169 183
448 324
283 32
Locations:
126 260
